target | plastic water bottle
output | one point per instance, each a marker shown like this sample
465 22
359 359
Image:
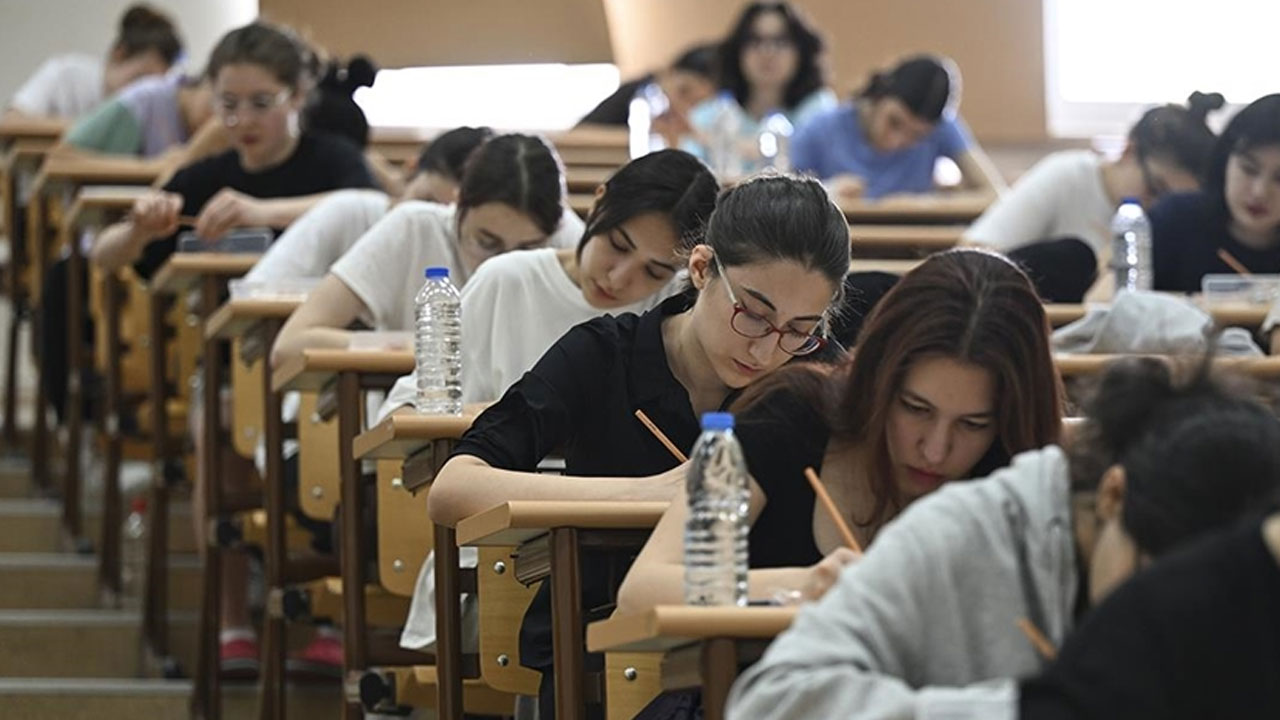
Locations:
723 154
774 140
647 105
715 535
133 549
437 346
1131 247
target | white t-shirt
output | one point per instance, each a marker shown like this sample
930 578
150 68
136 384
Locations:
513 309
321 235
384 268
65 86
1062 196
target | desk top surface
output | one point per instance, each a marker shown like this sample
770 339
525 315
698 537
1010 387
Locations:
315 368
235 317
670 626
518 521
184 269
401 434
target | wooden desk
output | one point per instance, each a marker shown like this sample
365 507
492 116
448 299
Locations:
14 128
1259 368
352 371
1246 315
92 205
926 210
567 526
237 317
896 267
871 239
580 179
209 273
717 635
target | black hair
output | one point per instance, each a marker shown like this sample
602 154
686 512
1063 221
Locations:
145 29
929 86
447 154
1178 133
699 60
1197 453
1256 125
275 48
522 171
780 217
331 107
809 74
671 182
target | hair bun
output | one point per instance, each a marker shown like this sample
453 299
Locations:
1201 104
1126 395
143 17
361 72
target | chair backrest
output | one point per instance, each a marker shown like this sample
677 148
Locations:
320 484
405 532
247 402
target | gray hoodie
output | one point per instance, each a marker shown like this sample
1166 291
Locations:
930 612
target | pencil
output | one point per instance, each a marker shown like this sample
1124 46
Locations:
1037 638
830 505
1233 263
662 438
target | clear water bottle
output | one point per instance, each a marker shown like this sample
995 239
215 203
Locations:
437 345
715 535
774 140
133 549
647 106
722 152
1131 247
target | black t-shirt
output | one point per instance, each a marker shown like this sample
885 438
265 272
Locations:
781 435
580 398
320 163
1186 234
615 109
1196 636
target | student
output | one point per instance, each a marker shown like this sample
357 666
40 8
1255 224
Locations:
686 83
933 608
887 139
1237 211
324 233
151 116
952 375
1197 636
764 279
511 198
771 62
68 86
1069 197
274 172
644 220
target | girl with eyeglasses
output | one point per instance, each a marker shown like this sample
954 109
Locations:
511 197
952 375
1066 201
274 172
770 62
763 280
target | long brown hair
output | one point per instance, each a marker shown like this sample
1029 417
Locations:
967 304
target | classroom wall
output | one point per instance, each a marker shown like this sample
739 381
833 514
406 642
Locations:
999 45
31 30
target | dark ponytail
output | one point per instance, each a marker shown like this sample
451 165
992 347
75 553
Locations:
522 171
1178 134
1197 453
332 109
671 182
928 86
145 29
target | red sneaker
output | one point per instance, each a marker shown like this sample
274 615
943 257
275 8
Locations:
239 659
319 661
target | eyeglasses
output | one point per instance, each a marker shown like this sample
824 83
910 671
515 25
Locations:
230 107
750 325
768 42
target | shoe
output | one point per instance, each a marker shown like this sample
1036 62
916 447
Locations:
319 661
239 659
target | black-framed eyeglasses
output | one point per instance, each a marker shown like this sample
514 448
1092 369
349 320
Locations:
750 325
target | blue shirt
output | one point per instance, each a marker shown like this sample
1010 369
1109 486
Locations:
835 143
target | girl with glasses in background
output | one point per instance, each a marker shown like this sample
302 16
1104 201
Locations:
766 274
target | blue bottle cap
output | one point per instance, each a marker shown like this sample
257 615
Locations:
717 421
437 272
1130 201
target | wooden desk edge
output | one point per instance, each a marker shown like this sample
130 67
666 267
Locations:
417 429
670 626
182 269
234 317
523 519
